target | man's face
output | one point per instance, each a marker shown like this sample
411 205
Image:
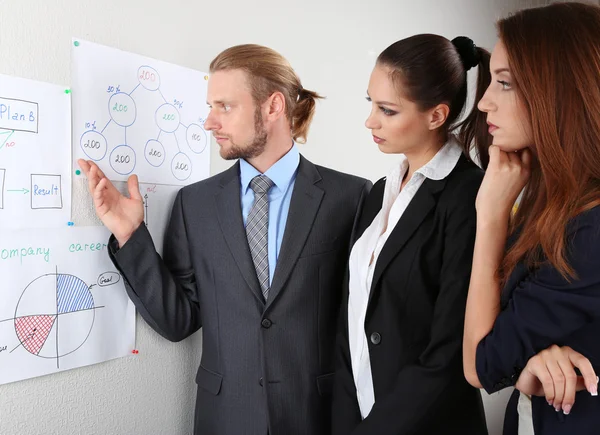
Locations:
235 119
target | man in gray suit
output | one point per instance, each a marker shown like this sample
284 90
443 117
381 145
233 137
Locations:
255 256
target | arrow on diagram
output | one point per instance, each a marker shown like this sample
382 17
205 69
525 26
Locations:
23 191
6 136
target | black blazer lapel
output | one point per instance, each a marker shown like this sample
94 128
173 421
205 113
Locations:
229 208
420 206
305 202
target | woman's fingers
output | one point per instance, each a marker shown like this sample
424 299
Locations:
570 383
585 367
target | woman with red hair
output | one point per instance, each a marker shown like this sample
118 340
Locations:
535 281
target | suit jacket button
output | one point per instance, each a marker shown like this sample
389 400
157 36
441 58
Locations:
375 338
266 323
260 382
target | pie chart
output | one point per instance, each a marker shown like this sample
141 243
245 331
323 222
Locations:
55 315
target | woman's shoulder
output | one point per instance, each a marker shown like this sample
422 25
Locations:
589 217
466 172
462 184
582 250
583 234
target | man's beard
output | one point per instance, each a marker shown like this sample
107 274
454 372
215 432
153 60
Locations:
254 148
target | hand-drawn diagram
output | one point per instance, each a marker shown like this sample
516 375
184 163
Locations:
133 119
63 305
122 111
54 315
15 115
35 132
45 192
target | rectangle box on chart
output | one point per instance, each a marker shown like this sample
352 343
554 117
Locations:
2 176
18 115
46 191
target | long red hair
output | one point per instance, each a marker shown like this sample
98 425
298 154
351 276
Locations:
554 57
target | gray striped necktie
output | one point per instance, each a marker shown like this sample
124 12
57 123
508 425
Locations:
257 228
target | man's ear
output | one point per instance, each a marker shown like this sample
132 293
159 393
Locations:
274 107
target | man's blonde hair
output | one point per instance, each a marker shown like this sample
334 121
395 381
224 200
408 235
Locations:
269 72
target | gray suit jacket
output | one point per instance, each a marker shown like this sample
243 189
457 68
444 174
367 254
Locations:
264 367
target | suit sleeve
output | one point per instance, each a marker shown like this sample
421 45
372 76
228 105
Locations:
421 389
546 309
164 292
346 414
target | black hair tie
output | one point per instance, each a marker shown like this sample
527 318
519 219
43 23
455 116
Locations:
467 50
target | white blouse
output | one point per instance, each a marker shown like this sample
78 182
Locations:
525 415
365 253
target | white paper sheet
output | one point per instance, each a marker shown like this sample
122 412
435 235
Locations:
35 154
133 114
62 302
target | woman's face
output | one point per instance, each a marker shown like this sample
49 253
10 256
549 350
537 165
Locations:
397 124
507 118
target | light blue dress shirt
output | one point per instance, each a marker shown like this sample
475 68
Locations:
283 175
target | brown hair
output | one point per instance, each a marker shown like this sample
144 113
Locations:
554 57
432 70
269 72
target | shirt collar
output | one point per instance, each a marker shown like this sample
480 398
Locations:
440 166
281 173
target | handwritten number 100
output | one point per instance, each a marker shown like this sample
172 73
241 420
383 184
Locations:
147 75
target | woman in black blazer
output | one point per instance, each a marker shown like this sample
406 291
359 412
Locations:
399 359
536 275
